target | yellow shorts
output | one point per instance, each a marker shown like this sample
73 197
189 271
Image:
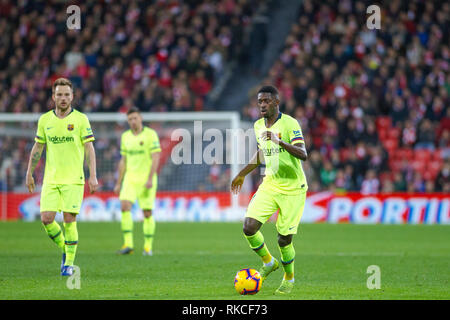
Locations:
132 191
62 197
265 203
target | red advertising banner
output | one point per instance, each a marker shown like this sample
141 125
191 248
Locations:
103 205
389 208
392 208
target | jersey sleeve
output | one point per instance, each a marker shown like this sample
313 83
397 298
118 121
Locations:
255 130
154 142
123 147
40 133
295 133
86 132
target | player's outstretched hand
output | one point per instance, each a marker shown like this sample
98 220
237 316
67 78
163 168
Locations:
93 184
30 183
236 184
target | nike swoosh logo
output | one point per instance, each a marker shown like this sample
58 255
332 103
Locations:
49 128
291 228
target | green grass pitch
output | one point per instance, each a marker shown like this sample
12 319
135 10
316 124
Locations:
199 261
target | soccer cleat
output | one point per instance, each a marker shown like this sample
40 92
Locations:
265 271
147 252
63 260
125 250
284 288
67 271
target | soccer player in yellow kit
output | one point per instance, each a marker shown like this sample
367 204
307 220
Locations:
138 179
281 145
67 137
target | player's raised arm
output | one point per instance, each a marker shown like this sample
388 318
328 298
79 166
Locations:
298 149
91 162
35 156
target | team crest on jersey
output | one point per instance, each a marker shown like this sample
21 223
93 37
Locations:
141 143
70 127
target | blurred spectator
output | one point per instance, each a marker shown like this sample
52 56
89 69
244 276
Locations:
399 182
370 184
409 134
418 183
388 186
341 182
443 179
327 174
429 186
426 136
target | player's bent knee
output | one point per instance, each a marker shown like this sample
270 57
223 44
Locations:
251 226
147 213
283 241
248 231
125 205
47 219
70 217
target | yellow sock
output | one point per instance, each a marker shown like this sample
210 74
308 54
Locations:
288 276
267 258
127 229
71 242
149 231
256 242
55 233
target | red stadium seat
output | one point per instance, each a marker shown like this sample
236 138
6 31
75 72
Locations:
383 133
435 165
394 133
317 140
422 155
396 165
409 154
433 169
390 145
404 153
383 122
419 166
428 175
437 155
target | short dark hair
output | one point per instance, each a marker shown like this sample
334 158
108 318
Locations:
61 82
268 89
133 110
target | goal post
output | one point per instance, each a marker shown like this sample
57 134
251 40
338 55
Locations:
201 153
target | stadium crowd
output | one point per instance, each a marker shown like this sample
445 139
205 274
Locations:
162 55
373 104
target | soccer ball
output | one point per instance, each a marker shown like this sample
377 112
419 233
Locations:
247 281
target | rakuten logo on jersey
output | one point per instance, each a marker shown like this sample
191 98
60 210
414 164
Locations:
58 140
271 151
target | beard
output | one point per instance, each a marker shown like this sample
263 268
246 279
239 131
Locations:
63 107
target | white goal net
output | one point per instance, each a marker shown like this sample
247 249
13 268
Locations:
201 153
